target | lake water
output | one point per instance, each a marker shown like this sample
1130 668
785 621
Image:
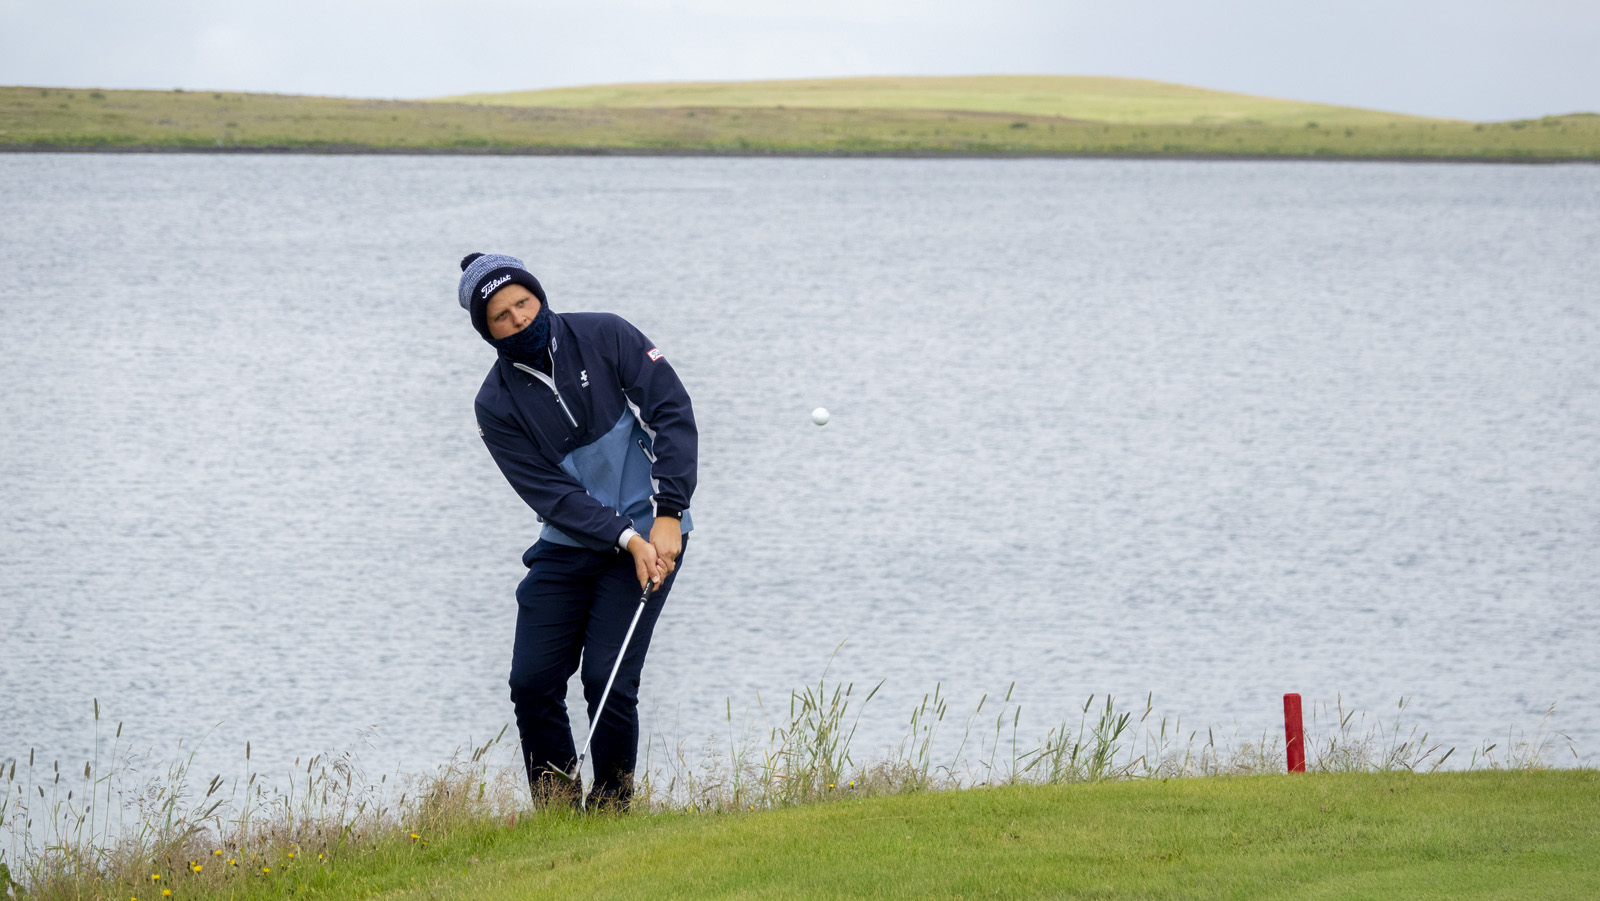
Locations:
1215 431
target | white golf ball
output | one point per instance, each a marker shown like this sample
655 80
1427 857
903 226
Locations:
820 416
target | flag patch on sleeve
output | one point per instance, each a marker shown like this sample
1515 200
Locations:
654 354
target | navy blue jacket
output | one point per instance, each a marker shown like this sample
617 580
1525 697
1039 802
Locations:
599 444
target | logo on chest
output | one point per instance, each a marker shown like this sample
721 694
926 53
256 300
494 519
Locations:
584 374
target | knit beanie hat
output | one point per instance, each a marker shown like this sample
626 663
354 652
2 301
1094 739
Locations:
482 274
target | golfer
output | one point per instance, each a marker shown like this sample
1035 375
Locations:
591 426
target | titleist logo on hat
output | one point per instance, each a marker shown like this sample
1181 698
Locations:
488 289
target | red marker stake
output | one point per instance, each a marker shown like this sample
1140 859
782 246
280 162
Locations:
1294 733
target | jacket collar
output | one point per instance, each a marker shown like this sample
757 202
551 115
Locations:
559 334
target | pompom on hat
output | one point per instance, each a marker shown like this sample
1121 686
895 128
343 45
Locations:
482 274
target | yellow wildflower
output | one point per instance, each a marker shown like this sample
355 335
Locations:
415 836
291 853
166 893
266 869
155 877
196 868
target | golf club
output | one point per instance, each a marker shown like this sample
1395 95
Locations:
599 710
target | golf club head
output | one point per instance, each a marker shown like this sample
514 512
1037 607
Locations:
565 776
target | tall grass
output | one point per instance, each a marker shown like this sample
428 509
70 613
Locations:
171 829
807 756
129 825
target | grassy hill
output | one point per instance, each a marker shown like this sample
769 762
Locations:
989 115
1104 100
1379 835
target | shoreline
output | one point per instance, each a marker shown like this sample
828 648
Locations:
918 120
380 150
1510 833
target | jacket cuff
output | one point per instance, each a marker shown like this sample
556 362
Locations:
669 510
627 535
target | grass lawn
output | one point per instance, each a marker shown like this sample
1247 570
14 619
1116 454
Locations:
1451 835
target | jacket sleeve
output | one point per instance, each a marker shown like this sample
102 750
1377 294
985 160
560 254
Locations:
650 384
557 497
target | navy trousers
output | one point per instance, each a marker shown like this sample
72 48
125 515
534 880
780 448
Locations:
573 609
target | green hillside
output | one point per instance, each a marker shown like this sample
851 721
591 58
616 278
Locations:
1117 100
1146 119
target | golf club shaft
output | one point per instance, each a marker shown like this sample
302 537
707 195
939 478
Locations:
616 666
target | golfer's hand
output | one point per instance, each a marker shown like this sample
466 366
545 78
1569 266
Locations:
666 536
646 565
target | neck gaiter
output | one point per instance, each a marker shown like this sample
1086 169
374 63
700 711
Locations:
528 346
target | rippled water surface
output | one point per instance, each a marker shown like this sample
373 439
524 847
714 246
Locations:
1214 431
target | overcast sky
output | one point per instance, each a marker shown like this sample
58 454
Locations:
1472 59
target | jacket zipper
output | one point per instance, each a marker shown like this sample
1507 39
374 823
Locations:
647 455
551 383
